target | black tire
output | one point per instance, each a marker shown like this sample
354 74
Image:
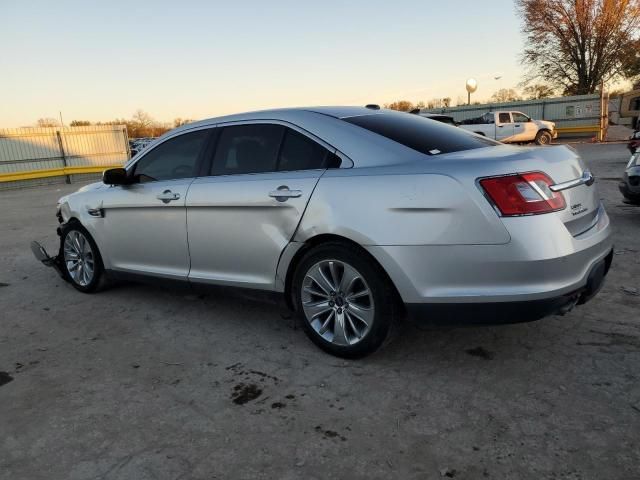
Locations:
631 200
382 293
543 137
98 279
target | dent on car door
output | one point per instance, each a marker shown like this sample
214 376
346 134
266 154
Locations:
244 213
144 224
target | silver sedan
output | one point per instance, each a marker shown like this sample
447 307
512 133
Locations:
357 216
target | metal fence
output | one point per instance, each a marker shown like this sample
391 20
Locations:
572 115
36 156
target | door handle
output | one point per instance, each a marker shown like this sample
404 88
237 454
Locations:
516 125
282 194
167 196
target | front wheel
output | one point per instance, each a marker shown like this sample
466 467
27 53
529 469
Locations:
344 300
544 137
81 262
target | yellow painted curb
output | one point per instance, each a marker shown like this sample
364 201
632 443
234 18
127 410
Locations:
581 129
53 172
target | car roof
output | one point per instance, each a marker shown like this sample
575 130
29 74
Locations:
338 112
325 124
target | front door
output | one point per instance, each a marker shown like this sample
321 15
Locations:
524 130
242 216
145 228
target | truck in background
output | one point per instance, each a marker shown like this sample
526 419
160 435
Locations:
509 126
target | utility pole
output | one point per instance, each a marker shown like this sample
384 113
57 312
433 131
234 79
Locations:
604 114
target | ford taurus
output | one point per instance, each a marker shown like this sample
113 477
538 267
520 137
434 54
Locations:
357 216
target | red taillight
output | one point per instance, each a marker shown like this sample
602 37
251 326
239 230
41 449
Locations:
523 194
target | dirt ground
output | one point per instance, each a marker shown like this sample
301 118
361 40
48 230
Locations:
139 383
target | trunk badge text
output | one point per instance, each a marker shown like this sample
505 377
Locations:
577 209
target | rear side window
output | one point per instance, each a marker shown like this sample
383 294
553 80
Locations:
421 134
301 153
249 148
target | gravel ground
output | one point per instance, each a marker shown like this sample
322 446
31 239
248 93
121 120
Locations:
138 382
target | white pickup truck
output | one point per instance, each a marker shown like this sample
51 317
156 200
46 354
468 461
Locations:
511 127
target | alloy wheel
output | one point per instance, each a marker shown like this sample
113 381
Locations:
337 302
79 258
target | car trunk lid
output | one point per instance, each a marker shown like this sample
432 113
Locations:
566 170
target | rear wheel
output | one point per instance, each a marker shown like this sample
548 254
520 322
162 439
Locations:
543 137
81 261
345 302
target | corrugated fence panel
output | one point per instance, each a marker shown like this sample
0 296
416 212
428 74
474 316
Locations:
566 112
46 152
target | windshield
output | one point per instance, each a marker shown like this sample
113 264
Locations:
422 134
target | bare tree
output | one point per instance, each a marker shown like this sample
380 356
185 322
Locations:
505 95
80 123
538 90
178 122
143 119
47 122
577 44
400 105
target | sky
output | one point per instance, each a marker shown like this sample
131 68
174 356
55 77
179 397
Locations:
197 59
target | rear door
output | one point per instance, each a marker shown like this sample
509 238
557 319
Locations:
244 212
504 127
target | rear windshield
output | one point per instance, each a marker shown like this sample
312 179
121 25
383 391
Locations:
421 134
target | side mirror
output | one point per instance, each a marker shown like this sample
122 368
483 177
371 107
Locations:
115 176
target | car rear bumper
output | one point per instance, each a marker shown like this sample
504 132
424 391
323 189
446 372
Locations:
541 261
494 313
629 191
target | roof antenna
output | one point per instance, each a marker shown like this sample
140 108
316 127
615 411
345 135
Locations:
372 106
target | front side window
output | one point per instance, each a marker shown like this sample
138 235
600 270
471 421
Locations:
249 148
504 117
418 133
176 158
520 117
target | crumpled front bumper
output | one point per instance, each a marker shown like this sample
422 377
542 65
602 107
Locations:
41 254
